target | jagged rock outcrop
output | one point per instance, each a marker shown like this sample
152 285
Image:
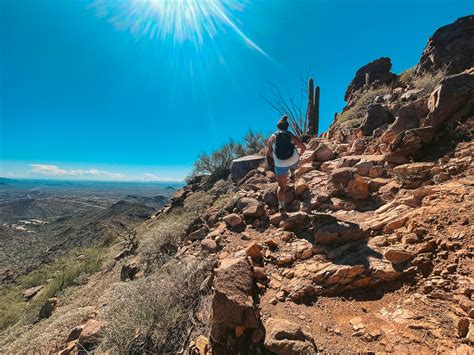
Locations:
376 72
451 46
453 99
233 310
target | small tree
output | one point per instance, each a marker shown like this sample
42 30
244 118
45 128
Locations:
219 160
254 142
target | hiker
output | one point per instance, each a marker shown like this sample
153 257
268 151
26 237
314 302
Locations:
281 148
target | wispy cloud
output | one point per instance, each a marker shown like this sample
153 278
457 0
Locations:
54 170
153 177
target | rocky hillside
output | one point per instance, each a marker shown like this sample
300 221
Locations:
374 254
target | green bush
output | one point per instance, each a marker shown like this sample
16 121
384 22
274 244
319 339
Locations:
12 305
58 275
217 163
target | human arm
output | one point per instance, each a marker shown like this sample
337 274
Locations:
299 144
270 160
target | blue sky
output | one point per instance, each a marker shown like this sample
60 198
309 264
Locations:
87 91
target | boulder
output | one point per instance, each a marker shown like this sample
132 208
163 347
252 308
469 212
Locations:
90 334
270 195
450 46
413 169
48 308
328 230
232 303
241 166
254 250
209 244
363 167
408 117
410 141
376 116
398 256
358 188
322 153
305 168
450 96
285 337
296 221
301 186
232 219
250 207
338 180
129 270
32 292
376 71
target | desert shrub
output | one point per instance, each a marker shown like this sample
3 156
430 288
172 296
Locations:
156 314
57 276
356 113
197 202
12 305
427 82
217 163
163 239
406 78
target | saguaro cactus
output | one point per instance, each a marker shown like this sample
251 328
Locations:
312 114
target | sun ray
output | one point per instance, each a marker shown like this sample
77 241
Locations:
176 21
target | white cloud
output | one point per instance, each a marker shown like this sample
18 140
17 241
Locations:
54 170
153 177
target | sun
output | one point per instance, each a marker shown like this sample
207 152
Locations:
176 21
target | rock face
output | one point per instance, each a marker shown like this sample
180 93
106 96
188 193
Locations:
454 98
451 46
376 116
376 72
408 117
242 166
232 304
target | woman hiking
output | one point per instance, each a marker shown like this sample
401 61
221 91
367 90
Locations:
281 147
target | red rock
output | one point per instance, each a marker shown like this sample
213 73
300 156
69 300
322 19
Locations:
31 292
300 187
233 219
398 256
90 333
358 188
254 250
295 221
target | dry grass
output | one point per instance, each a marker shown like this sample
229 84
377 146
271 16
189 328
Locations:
163 237
157 314
56 276
406 78
428 81
354 115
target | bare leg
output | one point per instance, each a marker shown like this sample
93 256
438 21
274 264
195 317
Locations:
281 190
